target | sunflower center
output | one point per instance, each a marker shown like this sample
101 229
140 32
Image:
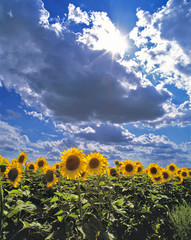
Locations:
49 176
72 162
139 169
41 163
171 168
184 174
2 168
129 167
31 167
21 159
113 172
153 170
165 175
13 173
94 163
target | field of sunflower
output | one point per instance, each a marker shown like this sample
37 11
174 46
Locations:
81 197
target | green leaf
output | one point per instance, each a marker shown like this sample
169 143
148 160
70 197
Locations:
102 183
54 199
119 202
86 205
60 218
59 212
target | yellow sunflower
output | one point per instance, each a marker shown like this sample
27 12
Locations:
13 174
189 171
112 171
157 180
172 168
4 163
41 163
128 168
31 167
73 163
57 167
116 162
22 158
50 176
184 173
166 175
137 162
140 169
178 179
14 160
96 163
153 170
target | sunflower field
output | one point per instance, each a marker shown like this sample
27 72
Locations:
81 197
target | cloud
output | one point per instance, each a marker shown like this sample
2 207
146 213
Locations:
77 15
163 41
62 78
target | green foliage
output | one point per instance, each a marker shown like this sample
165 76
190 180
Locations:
100 208
180 217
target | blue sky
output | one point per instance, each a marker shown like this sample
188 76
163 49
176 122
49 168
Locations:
106 76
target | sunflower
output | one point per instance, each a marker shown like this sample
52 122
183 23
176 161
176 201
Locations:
172 168
153 170
179 180
14 160
96 163
13 174
140 169
31 167
112 171
73 163
128 168
22 158
41 163
137 162
116 162
4 163
189 171
57 167
184 173
157 180
50 176
166 175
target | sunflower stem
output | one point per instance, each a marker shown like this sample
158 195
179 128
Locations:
79 199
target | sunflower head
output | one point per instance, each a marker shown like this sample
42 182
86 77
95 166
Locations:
96 163
140 169
31 167
153 170
172 168
116 162
21 159
166 175
184 173
57 167
128 168
157 180
41 163
4 163
73 163
112 171
50 176
13 174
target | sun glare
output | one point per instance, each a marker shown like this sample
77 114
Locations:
115 43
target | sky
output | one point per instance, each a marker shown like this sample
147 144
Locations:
105 76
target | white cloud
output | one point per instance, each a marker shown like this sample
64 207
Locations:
163 39
77 15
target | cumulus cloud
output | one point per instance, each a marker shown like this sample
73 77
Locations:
65 79
164 43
